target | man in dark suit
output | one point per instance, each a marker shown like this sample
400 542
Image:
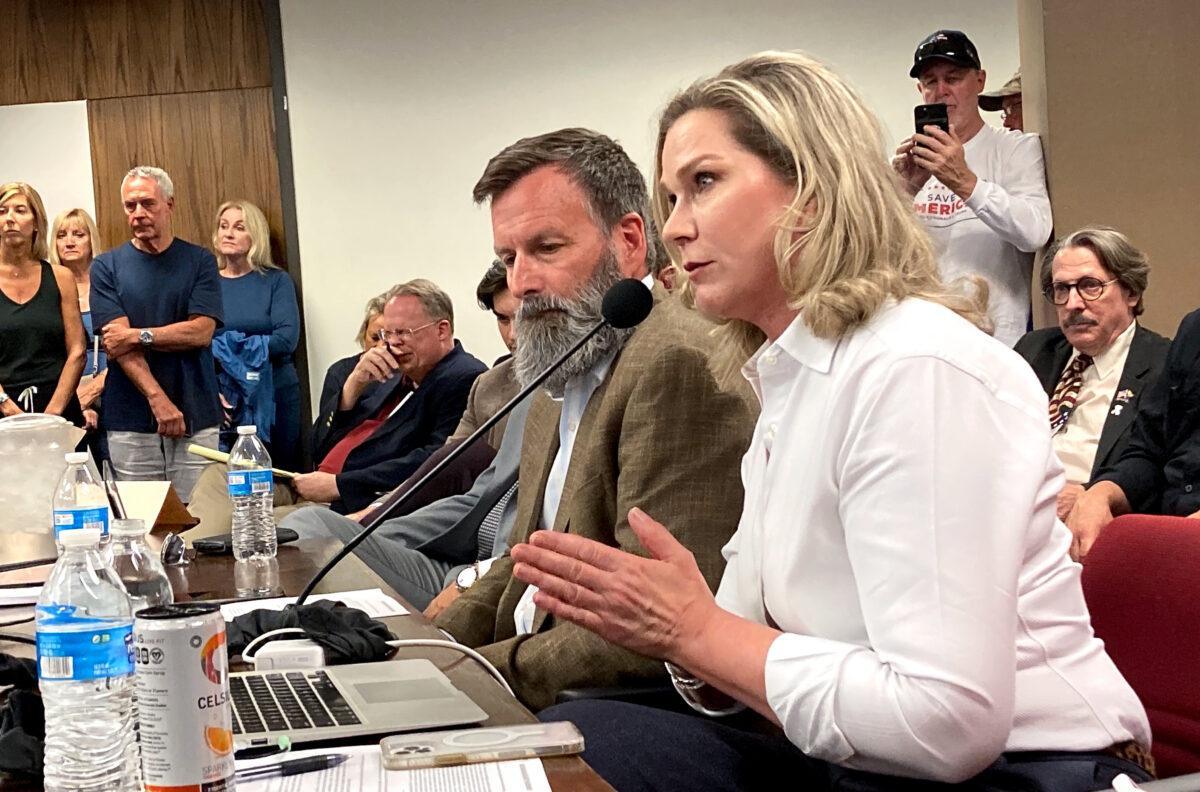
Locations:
1159 471
1098 362
636 418
378 438
398 405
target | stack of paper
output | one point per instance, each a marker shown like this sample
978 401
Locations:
363 772
372 602
19 595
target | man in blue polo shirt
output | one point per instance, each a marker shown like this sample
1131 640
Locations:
158 300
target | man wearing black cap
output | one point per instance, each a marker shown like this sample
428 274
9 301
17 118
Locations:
980 191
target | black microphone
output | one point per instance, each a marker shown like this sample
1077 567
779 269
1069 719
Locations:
625 305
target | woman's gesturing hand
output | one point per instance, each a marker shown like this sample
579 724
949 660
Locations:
653 606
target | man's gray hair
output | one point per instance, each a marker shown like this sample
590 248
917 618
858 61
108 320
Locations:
599 167
1117 254
159 175
436 302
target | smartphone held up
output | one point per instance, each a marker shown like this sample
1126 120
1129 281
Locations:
931 115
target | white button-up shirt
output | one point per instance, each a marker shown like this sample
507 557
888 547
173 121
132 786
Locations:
1077 443
576 395
899 527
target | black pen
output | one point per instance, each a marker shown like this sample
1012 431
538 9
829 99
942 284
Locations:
292 767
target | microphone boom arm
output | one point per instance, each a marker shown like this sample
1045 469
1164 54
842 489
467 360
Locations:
396 498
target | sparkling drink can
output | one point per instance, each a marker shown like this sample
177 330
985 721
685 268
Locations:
183 698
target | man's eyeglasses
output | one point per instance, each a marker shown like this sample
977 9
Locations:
1088 289
404 333
1011 110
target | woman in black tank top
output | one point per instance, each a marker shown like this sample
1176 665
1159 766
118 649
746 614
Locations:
41 332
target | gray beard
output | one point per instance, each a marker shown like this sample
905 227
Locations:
547 326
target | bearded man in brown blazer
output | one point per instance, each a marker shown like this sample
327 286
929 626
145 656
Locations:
636 418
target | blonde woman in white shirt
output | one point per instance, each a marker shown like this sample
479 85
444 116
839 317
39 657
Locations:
898 599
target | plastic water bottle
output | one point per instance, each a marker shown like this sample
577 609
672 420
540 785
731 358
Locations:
251 485
85 672
138 567
79 501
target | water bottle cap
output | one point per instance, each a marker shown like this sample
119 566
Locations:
77 457
80 537
247 430
129 527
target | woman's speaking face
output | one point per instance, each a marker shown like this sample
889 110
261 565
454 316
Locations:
725 207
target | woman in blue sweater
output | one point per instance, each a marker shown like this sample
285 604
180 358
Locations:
260 304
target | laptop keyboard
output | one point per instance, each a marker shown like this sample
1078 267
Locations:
286 701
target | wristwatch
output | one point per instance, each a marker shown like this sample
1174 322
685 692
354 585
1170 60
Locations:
3 397
467 577
147 338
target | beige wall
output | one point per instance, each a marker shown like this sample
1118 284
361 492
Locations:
395 107
1112 88
46 145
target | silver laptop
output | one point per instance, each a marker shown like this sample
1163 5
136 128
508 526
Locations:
346 701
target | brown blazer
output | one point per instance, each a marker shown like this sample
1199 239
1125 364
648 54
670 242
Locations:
658 434
491 391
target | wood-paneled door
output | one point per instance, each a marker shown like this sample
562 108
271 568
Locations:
216 145
62 50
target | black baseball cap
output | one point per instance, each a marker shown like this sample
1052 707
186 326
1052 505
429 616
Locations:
947 45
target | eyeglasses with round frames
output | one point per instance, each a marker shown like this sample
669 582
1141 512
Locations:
404 333
1089 289
1011 110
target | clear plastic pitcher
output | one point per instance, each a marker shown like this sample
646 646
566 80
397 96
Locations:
35 444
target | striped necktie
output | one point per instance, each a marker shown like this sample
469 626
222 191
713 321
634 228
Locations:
1062 404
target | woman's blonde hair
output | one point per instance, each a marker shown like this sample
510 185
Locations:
41 248
74 217
374 308
260 235
849 240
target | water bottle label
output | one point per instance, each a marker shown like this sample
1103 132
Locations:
250 482
85 655
72 519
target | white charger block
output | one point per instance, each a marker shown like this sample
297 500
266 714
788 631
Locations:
297 653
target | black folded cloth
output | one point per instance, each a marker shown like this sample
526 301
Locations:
22 718
347 634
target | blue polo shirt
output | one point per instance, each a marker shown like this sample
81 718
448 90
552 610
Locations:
153 290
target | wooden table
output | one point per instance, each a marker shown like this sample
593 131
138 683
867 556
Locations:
211 577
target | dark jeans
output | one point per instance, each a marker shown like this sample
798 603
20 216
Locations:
640 748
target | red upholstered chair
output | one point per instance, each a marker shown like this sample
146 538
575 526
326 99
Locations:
1141 580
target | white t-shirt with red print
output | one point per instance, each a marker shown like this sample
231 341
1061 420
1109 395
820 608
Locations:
995 233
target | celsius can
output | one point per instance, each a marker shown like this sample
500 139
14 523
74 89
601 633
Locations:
183 698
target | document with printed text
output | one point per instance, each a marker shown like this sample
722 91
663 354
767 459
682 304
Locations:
363 772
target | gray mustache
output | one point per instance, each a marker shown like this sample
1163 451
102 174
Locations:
1078 320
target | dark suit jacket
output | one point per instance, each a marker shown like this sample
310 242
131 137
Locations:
331 393
1160 469
398 447
1048 351
658 433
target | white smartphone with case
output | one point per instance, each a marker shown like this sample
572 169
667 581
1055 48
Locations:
484 744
